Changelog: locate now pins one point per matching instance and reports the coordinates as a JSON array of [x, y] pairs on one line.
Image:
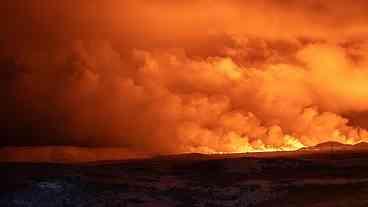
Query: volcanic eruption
[[160, 77]]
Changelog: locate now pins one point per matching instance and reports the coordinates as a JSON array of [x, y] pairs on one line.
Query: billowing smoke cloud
[[193, 76]]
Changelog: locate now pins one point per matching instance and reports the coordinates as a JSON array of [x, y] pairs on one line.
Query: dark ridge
[[331, 144], [361, 146], [336, 146]]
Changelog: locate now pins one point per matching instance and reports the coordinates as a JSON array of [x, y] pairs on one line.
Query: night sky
[[194, 76]]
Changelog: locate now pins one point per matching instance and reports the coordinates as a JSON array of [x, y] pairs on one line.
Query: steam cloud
[[193, 76]]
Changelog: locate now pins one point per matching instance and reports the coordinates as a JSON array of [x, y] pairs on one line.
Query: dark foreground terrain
[[270, 179]]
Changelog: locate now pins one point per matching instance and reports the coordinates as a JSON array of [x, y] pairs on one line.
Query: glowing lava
[[161, 77]]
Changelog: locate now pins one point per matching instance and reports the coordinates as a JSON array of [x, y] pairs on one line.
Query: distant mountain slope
[[336, 146]]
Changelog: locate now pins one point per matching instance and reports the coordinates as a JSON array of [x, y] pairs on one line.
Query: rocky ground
[[284, 179]]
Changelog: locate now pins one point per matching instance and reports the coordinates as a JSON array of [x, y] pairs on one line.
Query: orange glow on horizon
[[203, 76]]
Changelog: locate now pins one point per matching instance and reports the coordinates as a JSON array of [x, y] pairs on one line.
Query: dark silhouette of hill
[[361, 146], [337, 146]]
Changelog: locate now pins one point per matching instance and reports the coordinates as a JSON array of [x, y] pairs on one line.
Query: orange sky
[[191, 76]]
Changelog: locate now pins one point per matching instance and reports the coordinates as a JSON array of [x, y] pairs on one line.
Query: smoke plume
[[192, 76]]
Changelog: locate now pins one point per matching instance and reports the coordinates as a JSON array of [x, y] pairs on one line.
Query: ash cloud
[[160, 77]]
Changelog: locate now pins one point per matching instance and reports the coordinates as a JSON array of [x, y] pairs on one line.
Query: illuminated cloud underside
[[163, 77]]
